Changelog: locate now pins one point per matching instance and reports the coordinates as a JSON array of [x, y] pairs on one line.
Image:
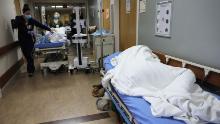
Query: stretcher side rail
[[120, 106]]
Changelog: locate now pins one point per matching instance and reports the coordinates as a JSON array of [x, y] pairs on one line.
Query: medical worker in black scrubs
[[25, 24]]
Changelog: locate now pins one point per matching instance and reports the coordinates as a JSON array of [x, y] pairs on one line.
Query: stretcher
[[54, 53], [135, 110]]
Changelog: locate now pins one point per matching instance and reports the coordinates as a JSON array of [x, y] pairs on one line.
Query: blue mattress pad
[[44, 42], [49, 45]]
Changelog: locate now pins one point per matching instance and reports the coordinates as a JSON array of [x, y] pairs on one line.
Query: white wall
[[7, 12], [195, 32]]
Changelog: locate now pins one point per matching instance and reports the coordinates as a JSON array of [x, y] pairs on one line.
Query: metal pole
[[101, 28]]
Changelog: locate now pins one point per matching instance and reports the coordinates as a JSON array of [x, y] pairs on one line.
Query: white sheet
[[59, 35], [170, 90]]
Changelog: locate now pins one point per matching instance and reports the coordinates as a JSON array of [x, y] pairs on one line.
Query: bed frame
[[208, 78], [52, 65], [120, 106]]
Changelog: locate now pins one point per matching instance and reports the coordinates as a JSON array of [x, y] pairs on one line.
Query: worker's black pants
[[28, 51]]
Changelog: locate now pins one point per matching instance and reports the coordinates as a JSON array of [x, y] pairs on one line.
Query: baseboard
[[10, 73], [12, 79]]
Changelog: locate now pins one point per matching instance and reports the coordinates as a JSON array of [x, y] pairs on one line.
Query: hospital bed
[[135, 110], [54, 53]]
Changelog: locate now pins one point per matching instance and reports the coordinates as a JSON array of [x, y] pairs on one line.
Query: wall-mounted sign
[[128, 6], [107, 14], [142, 6], [163, 18], [112, 2]]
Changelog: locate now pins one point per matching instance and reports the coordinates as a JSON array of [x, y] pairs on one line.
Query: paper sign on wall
[[99, 8], [142, 6], [163, 18], [107, 14], [128, 6], [112, 2]]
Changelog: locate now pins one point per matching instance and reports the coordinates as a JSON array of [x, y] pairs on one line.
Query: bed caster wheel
[[66, 69], [75, 70], [71, 71], [44, 72], [92, 70], [87, 70]]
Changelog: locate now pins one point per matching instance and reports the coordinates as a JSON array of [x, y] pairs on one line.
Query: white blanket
[[170, 90], [59, 35]]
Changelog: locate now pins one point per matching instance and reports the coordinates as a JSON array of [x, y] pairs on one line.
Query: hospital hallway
[[52, 98], [62, 38], [109, 61]]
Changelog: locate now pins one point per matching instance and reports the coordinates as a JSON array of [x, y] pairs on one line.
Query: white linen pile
[[171, 91], [59, 35]]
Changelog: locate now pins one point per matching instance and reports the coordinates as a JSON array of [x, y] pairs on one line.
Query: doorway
[[127, 23]]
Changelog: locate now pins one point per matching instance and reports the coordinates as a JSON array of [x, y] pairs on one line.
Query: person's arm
[[38, 24]]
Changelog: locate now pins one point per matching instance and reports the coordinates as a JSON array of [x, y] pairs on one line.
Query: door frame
[[116, 25], [137, 22]]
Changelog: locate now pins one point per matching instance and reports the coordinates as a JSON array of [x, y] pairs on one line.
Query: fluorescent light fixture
[[57, 6], [70, 6]]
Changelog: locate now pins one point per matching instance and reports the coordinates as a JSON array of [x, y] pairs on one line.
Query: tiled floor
[[55, 97]]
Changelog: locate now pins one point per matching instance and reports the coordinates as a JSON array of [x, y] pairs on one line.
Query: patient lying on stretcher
[[58, 35], [171, 91]]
